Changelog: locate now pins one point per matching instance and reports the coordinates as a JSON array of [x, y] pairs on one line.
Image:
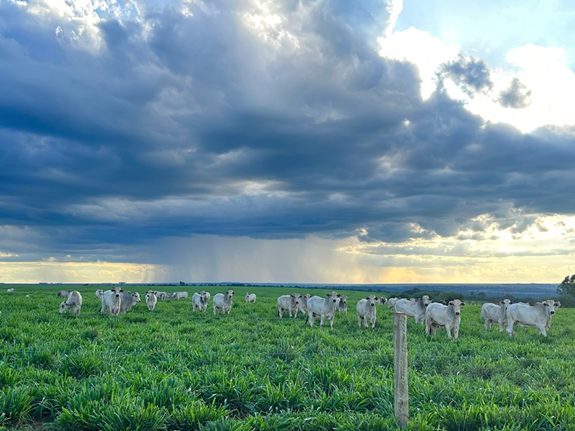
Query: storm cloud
[[249, 119]]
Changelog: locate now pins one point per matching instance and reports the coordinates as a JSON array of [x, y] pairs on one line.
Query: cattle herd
[[433, 315]]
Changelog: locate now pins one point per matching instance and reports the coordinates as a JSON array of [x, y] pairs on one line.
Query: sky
[[319, 141]]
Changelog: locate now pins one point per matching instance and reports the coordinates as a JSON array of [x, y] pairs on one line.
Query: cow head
[[456, 305], [62, 307], [425, 300], [505, 302], [372, 300], [550, 306]]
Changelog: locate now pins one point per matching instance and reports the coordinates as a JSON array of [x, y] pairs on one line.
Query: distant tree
[[567, 286], [566, 290]]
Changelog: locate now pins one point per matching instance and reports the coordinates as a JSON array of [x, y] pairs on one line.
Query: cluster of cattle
[[506, 313], [445, 314]]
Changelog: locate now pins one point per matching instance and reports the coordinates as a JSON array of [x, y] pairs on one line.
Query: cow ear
[[546, 304], [450, 303], [328, 294], [338, 295], [462, 304], [293, 296]]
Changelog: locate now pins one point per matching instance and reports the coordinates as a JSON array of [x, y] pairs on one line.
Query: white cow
[[11, 290], [494, 313], [537, 315], [162, 296], [181, 295], [99, 294], [129, 300], [63, 293], [73, 303], [151, 300], [302, 306], [325, 308], [223, 302], [342, 307], [289, 303], [391, 302], [200, 301], [449, 316], [367, 310], [414, 307], [111, 301], [250, 298]]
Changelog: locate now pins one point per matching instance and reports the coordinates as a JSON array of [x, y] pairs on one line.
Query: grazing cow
[[250, 298], [11, 290], [162, 296], [289, 303], [413, 307], [223, 302], [302, 306], [151, 300], [181, 295], [111, 301], [449, 315], [537, 315], [200, 301], [494, 313], [63, 293], [73, 303], [129, 300], [367, 310], [325, 308]]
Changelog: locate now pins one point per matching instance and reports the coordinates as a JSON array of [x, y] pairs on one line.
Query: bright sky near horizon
[[335, 141]]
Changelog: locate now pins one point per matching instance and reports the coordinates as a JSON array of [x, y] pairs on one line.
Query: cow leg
[[542, 330], [372, 323], [310, 318], [359, 320], [448, 330], [321, 317], [500, 323], [510, 323]]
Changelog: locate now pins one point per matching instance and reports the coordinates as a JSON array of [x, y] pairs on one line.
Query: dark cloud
[[471, 74], [178, 125], [516, 96]]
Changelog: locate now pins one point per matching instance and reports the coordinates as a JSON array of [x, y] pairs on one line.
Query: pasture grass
[[172, 369]]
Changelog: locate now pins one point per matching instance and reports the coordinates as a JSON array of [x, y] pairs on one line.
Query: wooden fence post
[[400, 392]]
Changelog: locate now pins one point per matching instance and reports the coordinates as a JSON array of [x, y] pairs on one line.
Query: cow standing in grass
[[342, 307], [289, 303], [223, 302], [250, 298], [495, 313], [449, 316], [151, 300], [302, 306], [325, 308], [413, 307], [367, 310], [129, 300], [537, 315], [111, 301], [73, 303], [200, 301]]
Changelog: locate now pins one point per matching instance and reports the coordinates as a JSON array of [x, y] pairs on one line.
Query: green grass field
[[174, 370]]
